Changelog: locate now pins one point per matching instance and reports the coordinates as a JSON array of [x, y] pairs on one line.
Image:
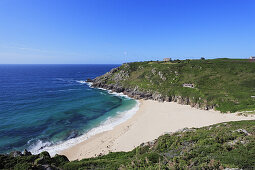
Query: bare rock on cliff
[[122, 75], [157, 96], [162, 77], [153, 71]]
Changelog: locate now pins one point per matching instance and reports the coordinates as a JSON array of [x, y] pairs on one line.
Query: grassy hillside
[[218, 146], [225, 84]]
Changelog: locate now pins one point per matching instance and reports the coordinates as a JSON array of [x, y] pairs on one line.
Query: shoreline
[[106, 125], [152, 120]]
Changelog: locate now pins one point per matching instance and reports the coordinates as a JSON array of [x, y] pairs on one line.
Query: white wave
[[109, 91], [37, 147], [89, 84], [81, 81], [106, 125], [103, 89], [115, 93], [119, 94]]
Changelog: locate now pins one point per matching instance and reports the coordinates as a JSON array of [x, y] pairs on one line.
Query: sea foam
[[109, 91], [105, 125], [81, 81]]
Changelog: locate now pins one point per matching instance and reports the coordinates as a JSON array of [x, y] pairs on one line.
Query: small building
[[188, 85], [166, 59], [252, 57]]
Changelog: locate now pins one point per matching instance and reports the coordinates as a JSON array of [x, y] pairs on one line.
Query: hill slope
[[221, 84], [218, 146]]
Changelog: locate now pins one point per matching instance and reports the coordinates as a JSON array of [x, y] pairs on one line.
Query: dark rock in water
[[15, 154], [89, 80], [73, 134], [27, 153]]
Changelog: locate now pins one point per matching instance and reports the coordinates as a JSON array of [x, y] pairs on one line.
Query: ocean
[[51, 107]]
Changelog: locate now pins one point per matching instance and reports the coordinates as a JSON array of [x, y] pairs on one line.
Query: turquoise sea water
[[42, 106]]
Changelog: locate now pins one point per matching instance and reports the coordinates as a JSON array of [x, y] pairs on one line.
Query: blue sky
[[117, 31]]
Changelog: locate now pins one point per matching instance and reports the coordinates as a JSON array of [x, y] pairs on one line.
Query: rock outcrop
[[118, 75]]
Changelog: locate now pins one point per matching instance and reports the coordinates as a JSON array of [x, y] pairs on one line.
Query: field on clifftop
[[227, 85]]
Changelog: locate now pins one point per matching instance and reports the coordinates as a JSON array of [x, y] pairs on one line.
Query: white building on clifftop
[[188, 85], [166, 59]]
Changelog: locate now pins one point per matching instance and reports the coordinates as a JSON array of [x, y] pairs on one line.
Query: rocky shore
[[137, 93]]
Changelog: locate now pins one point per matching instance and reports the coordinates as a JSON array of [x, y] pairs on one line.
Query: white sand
[[151, 120]]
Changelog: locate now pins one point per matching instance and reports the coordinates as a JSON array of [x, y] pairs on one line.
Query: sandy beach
[[151, 120]]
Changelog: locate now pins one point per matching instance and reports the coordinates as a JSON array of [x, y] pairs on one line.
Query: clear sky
[[117, 31]]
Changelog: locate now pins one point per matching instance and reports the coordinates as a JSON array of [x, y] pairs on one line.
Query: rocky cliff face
[[112, 81]]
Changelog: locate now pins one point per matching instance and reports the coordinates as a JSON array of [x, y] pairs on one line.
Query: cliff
[[226, 85]]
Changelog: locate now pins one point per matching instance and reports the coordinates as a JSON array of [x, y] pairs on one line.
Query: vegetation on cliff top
[[226, 84], [218, 146]]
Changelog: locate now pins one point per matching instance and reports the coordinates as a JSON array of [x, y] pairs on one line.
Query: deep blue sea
[[49, 107]]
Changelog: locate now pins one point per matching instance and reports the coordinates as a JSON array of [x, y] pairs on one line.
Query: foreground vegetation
[[228, 85], [225, 145]]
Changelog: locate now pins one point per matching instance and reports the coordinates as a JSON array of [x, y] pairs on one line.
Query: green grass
[[228, 84], [207, 148], [214, 147]]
